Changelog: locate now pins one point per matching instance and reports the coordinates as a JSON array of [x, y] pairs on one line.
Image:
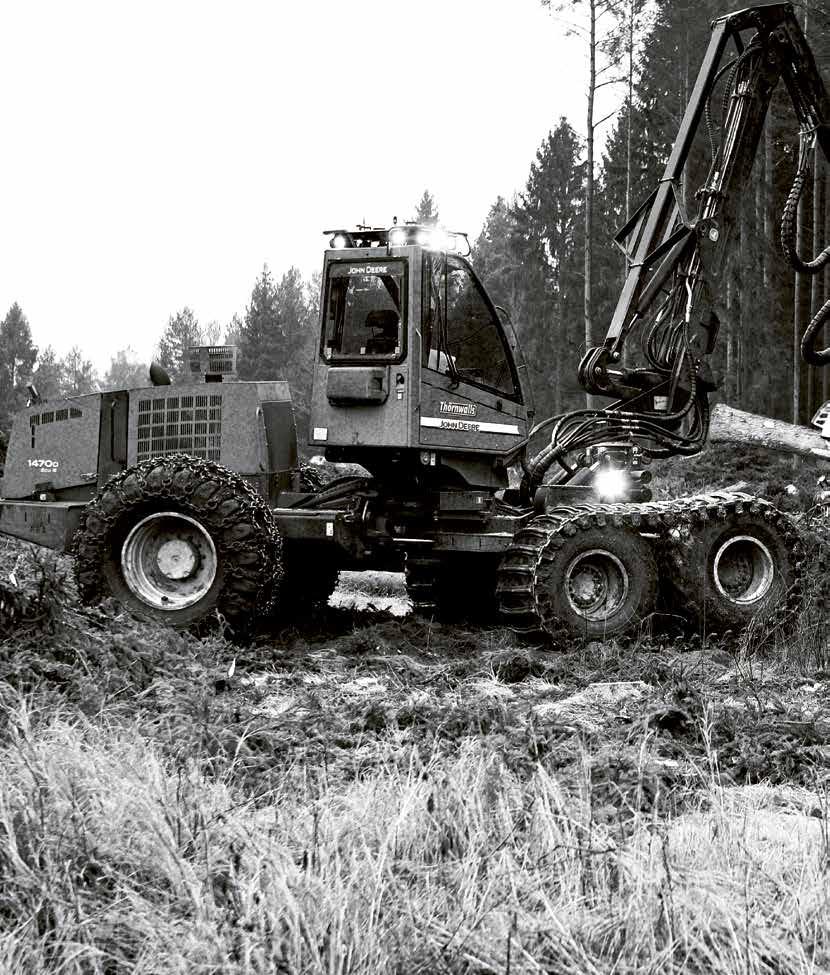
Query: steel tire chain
[[310, 477], [517, 573], [259, 564]]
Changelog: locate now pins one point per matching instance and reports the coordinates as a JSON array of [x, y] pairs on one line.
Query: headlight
[[397, 237], [611, 483], [339, 241]]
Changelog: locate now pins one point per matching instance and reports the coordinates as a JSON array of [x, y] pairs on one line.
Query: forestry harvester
[[184, 500]]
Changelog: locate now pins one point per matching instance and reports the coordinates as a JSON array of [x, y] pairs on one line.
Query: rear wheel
[[177, 539], [725, 572]]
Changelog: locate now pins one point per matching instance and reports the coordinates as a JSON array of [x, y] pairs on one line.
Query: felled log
[[748, 429]]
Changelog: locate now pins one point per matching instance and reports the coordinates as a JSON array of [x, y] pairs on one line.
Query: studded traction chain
[[221, 499], [517, 573]]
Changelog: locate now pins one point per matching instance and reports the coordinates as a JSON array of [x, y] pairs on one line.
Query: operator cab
[[415, 363]]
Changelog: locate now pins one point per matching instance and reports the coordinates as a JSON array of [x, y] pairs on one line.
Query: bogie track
[[581, 569]]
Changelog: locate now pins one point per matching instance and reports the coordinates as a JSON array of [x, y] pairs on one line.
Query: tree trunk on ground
[[748, 429]]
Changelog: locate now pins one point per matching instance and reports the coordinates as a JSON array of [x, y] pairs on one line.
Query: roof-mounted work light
[[341, 240], [402, 235]]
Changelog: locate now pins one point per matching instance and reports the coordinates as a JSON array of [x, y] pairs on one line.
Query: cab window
[[364, 310], [462, 336]]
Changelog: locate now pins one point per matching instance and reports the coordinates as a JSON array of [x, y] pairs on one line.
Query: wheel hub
[[587, 586], [177, 559], [169, 560], [596, 584], [743, 569]]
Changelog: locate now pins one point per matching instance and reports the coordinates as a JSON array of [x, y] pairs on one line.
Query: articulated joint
[[593, 371]]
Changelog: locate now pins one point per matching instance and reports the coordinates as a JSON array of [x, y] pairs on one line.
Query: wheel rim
[[743, 570], [596, 584], [169, 561]]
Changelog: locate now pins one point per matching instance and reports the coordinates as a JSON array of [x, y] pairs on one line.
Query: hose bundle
[[789, 244]]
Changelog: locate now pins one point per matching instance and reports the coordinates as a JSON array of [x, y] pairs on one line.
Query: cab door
[[470, 393]]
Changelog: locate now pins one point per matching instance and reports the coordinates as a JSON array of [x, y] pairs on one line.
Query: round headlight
[[397, 237], [610, 483]]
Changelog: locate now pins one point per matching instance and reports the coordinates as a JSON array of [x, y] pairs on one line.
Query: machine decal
[[369, 269], [45, 465], [466, 427], [458, 409]]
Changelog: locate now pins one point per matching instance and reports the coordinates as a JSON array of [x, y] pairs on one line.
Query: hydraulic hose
[[789, 244], [582, 428], [789, 226], [809, 353]]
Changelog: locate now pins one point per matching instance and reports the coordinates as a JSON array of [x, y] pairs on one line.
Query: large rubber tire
[[177, 539], [595, 583], [723, 573]]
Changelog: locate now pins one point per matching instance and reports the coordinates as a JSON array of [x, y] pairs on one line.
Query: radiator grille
[[173, 424]]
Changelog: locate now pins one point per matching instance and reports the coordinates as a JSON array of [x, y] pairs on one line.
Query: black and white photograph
[[415, 487]]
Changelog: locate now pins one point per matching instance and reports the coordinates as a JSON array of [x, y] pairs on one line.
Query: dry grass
[[117, 859]]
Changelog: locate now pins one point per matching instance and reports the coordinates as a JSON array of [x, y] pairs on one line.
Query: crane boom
[[671, 295]]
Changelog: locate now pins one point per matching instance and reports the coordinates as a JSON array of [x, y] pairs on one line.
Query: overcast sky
[[157, 154]]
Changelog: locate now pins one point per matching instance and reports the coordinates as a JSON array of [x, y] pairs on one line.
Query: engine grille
[[186, 424]]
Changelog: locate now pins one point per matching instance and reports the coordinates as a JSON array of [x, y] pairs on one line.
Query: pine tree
[[550, 217], [126, 371], [48, 374], [181, 333], [512, 267], [263, 345], [78, 375], [233, 331], [426, 212], [278, 336], [17, 359]]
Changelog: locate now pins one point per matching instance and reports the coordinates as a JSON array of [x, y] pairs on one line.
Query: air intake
[[213, 363], [173, 423]]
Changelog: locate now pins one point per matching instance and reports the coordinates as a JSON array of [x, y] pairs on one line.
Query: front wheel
[[584, 578], [177, 539]]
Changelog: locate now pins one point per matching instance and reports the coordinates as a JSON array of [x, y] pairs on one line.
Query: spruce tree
[[17, 359], [181, 333]]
